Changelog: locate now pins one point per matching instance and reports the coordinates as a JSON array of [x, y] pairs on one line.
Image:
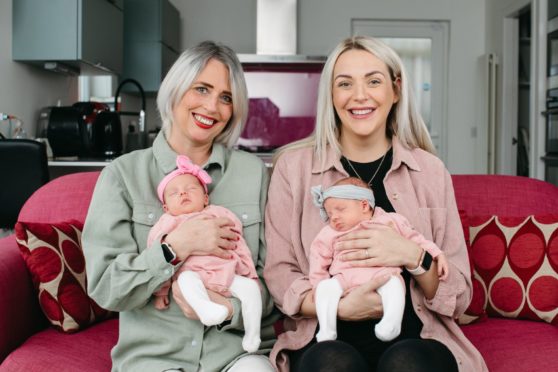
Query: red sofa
[[28, 344]]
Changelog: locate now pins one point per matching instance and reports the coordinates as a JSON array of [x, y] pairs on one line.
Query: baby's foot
[[251, 344], [213, 314], [386, 331], [325, 335]]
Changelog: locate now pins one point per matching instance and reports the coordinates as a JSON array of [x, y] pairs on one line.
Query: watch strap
[[168, 252], [423, 266]]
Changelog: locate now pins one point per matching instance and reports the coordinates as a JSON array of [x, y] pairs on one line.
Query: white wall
[[323, 23], [25, 89]]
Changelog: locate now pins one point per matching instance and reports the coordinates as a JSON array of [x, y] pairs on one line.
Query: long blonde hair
[[404, 120]]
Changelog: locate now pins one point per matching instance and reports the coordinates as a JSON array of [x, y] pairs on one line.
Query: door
[[423, 47], [522, 87]]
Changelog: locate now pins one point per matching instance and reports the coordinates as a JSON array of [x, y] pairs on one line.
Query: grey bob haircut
[[184, 72]]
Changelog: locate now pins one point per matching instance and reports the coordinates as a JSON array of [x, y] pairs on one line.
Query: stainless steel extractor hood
[[276, 38]]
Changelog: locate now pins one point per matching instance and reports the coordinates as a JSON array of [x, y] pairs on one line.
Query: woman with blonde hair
[[368, 126], [203, 105]]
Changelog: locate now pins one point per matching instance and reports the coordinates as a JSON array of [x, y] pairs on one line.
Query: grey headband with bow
[[343, 192]]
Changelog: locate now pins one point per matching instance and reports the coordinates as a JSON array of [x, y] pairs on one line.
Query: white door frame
[[438, 32], [539, 21], [507, 123], [506, 159]]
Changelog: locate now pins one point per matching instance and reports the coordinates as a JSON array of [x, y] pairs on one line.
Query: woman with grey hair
[[368, 126], [203, 106]]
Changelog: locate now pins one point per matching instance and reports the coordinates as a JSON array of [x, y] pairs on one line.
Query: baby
[[349, 205], [183, 193]]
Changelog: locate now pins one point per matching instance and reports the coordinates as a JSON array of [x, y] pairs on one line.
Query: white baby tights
[[210, 313]]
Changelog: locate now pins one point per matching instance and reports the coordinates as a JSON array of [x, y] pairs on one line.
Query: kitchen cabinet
[[79, 36], [151, 41], [552, 9]]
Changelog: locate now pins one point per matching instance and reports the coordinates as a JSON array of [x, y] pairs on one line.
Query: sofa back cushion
[[477, 307], [499, 195], [489, 200], [516, 260], [53, 255], [57, 203], [62, 199]]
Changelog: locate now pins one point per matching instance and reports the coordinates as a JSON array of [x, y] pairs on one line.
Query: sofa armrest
[[20, 314]]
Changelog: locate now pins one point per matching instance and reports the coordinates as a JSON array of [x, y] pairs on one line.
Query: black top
[[366, 170], [361, 334]]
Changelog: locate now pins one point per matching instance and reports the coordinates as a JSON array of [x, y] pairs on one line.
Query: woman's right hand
[[202, 236], [362, 302]]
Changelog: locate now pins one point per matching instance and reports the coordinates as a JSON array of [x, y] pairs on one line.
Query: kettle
[[106, 135]]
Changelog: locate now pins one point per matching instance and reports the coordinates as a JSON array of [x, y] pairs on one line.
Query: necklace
[[375, 173]]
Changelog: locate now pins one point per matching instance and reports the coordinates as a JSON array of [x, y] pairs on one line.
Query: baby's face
[[346, 213], [184, 194]]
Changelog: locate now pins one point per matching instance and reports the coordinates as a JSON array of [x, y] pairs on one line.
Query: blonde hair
[[183, 73], [404, 120]]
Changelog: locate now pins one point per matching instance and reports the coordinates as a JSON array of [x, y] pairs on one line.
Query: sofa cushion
[[50, 350], [516, 262], [53, 255], [515, 345], [476, 309], [62, 199]]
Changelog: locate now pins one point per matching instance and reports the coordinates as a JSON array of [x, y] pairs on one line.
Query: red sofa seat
[[515, 345], [27, 344], [50, 350]]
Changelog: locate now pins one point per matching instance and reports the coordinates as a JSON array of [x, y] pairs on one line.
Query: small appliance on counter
[[42, 124], [135, 139], [106, 137], [67, 132], [85, 129], [90, 129]]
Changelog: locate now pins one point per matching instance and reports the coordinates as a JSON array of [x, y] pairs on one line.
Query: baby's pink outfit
[[216, 273], [325, 261]]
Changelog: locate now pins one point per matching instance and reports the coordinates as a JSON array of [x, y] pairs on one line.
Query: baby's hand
[[443, 267], [161, 302]]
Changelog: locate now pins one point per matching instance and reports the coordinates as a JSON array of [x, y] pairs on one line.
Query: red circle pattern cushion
[[476, 309], [53, 255], [515, 264]]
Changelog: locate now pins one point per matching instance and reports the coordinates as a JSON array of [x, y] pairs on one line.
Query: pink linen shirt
[[419, 187], [216, 273], [325, 261]]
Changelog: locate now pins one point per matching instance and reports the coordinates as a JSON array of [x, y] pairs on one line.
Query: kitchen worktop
[[78, 162], [61, 166]]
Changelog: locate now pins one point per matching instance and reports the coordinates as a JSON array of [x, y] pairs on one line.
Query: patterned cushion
[[53, 255], [476, 309], [516, 263]]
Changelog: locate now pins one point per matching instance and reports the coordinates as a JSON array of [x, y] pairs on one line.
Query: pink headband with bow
[[185, 166]]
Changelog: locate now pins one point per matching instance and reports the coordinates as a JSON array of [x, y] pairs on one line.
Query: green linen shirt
[[123, 273]]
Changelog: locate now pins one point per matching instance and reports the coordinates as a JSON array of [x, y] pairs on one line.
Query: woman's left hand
[[378, 245], [187, 309]]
